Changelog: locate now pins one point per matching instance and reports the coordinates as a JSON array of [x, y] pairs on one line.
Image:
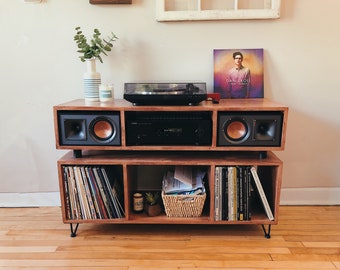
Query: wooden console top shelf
[[254, 104], [248, 106]]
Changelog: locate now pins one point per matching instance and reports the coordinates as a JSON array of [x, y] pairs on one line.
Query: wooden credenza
[[239, 133]]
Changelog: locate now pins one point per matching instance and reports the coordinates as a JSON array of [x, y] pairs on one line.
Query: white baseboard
[[310, 196], [289, 196], [30, 199]]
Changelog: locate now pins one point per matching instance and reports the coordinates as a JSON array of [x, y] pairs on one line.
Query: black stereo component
[[168, 128], [262, 129], [89, 128], [165, 93]]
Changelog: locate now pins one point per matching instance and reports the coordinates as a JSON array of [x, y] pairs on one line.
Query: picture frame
[[110, 1], [233, 82], [190, 10]]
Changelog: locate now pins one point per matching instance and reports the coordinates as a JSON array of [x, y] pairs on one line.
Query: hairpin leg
[[266, 232], [74, 230]]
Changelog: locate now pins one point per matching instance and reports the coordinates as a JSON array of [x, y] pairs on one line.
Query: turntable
[[165, 93]]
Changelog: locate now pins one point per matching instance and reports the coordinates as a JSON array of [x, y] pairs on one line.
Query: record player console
[[165, 93]]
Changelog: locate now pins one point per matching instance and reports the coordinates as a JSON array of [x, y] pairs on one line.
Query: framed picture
[[110, 1], [238, 73], [187, 10]]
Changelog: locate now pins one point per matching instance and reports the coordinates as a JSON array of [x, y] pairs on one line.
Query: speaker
[[89, 128], [263, 129]]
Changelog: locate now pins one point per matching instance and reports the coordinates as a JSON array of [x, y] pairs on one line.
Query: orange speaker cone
[[236, 130], [103, 129]]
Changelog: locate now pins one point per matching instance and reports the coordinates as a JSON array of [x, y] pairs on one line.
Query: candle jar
[[105, 92], [138, 203]]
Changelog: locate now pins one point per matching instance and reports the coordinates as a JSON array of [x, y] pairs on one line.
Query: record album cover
[[238, 73]]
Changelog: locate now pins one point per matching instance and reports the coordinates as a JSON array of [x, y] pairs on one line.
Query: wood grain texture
[[307, 237]]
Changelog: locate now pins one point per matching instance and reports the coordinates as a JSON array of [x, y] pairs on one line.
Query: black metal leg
[[263, 154], [77, 153], [266, 232], [74, 230]]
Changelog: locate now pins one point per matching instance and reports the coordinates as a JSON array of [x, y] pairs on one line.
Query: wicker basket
[[183, 205]]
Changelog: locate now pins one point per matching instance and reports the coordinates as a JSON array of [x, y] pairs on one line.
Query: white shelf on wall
[[189, 10]]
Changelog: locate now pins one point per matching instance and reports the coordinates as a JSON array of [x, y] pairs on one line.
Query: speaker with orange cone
[[89, 128], [260, 129]]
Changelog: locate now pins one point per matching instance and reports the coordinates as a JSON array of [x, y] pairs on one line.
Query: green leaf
[[107, 48], [95, 47]]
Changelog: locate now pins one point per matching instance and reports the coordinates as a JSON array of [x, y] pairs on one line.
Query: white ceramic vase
[[92, 80]]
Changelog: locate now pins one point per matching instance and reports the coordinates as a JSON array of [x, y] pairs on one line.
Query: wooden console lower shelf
[[138, 171]]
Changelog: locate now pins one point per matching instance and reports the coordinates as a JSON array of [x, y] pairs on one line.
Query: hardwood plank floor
[[307, 237]]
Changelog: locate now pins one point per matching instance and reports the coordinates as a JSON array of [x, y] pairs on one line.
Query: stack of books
[[234, 192]]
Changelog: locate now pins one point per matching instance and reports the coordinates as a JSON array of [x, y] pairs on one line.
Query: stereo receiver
[[168, 128]]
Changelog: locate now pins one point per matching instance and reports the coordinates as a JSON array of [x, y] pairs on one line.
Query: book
[[232, 193], [240, 193], [218, 193], [261, 193], [224, 193], [247, 193]]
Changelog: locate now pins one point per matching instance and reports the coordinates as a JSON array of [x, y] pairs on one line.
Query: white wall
[[39, 68]]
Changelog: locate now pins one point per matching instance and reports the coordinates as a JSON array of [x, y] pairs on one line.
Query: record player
[[165, 93]]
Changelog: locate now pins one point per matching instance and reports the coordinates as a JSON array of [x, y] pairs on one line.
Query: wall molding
[[289, 196], [310, 196], [40, 199]]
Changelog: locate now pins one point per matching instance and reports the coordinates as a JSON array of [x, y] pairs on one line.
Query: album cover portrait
[[238, 73]]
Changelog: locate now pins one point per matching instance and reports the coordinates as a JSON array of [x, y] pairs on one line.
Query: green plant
[[95, 47], [152, 198]]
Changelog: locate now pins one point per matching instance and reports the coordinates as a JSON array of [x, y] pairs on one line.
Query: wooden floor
[[35, 238]]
